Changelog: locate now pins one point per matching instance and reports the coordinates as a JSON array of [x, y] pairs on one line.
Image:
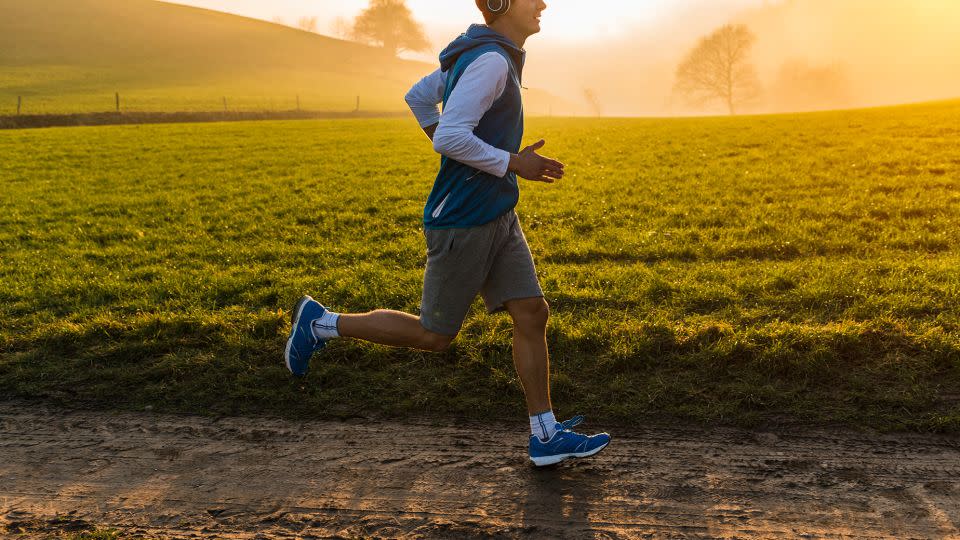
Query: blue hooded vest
[[463, 196]]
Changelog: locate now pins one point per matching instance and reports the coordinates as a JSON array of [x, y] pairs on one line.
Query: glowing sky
[[564, 20]]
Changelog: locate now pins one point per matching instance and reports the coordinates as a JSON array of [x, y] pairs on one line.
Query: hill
[[66, 56]]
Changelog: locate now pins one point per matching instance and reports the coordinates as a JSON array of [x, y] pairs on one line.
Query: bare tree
[[307, 24], [719, 69], [391, 24], [279, 20], [590, 95]]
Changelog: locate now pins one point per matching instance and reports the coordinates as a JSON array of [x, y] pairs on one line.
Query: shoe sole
[[297, 312], [553, 460]]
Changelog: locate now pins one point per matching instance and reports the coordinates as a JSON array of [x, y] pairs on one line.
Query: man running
[[474, 241]]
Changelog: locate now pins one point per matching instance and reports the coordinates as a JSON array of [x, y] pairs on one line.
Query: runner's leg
[[530, 355], [392, 328], [512, 285]]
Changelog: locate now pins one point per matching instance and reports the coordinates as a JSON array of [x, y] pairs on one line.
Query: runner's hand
[[532, 166]]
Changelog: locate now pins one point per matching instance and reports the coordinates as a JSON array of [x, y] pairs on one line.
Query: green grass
[[61, 527], [109, 534], [725, 269]]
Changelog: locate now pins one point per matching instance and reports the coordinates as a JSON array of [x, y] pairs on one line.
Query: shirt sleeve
[[424, 97], [482, 83]]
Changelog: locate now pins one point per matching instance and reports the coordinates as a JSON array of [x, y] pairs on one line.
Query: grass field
[[723, 269]]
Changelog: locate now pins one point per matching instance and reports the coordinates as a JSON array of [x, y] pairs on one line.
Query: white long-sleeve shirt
[[482, 83]]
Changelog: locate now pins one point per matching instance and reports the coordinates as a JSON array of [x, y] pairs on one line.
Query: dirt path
[[178, 477]]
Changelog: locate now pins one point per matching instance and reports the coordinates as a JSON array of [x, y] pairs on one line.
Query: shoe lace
[[573, 422]]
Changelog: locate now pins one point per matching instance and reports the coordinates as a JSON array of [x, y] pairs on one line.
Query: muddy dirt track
[[187, 477]]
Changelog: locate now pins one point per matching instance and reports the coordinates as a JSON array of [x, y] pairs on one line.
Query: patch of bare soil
[[188, 477]]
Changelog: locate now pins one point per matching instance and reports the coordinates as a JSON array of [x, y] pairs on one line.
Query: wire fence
[[173, 110], [117, 103]]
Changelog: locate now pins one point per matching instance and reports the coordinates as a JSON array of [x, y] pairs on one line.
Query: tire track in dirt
[[177, 477]]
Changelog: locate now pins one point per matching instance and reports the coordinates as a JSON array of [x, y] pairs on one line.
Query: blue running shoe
[[301, 345], [566, 444]]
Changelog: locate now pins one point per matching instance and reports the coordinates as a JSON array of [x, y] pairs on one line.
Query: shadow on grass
[[879, 373], [753, 252]]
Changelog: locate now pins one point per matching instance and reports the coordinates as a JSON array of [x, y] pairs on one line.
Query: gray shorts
[[493, 260]]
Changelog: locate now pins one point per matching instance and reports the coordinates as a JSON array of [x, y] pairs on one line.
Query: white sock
[[326, 327], [543, 425]]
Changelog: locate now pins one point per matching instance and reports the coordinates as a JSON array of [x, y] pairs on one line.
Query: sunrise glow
[[563, 21]]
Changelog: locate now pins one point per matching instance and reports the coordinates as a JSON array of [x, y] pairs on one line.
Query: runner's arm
[[482, 83], [423, 99]]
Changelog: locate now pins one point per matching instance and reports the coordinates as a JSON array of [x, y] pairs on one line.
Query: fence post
[[298, 103], [19, 102], [224, 103], [358, 105], [118, 102]]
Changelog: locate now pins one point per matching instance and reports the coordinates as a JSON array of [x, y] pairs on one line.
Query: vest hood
[[476, 36]]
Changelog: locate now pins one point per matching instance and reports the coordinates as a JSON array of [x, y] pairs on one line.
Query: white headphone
[[503, 6]]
